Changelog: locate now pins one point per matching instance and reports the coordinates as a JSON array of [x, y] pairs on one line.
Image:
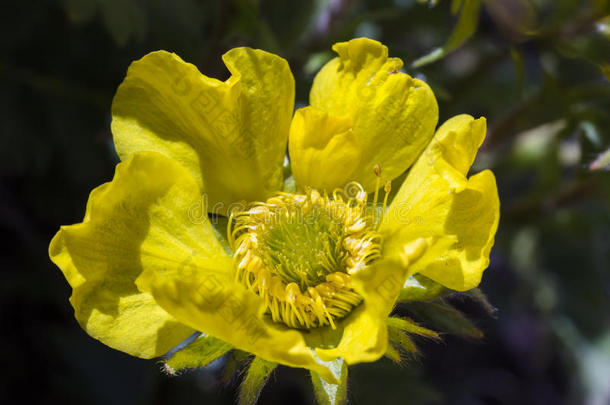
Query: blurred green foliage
[[537, 69]]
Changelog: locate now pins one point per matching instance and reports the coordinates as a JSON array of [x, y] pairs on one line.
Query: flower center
[[298, 253]]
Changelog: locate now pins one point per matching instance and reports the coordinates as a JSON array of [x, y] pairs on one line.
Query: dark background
[[533, 68]]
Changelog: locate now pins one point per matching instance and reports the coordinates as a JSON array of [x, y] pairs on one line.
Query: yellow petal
[[364, 336], [457, 215], [141, 220], [210, 300], [230, 135], [393, 114], [324, 151]]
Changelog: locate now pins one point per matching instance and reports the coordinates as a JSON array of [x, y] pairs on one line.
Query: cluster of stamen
[[299, 251]]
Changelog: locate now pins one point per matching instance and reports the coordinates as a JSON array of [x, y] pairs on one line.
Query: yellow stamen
[[297, 253], [377, 171], [386, 189]]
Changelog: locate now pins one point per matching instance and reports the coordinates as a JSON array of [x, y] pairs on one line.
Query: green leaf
[[331, 394], [445, 318], [256, 377], [465, 27], [421, 288], [199, 353]]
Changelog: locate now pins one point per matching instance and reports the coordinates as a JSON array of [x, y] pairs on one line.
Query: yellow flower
[[300, 278]]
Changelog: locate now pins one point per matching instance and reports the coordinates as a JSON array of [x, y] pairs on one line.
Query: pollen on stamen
[[298, 252]]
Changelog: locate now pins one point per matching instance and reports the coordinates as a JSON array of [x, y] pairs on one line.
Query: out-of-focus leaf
[[602, 6], [605, 70], [430, 3], [602, 162], [532, 145], [199, 353], [517, 59], [570, 152], [256, 377], [288, 21], [80, 11], [515, 19], [591, 133], [455, 6], [603, 27], [123, 19], [592, 43], [331, 394], [444, 318], [466, 26], [557, 14], [316, 61]]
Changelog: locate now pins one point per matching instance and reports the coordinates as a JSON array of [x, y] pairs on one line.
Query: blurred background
[[537, 69]]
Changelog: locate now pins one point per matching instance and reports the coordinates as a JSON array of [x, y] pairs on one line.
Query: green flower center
[[298, 253]]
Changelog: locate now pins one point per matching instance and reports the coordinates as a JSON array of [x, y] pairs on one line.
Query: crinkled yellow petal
[[230, 135], [365, 337], [393, 114], [143, 219], [210, 300], [324, 151], [457, 215]]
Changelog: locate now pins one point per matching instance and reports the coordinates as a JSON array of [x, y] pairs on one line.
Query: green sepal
[[421, 288], [393, 353], [480, 298], [234, 363], [331, 394], [257, 375], [400, 339], [444, 317], [199, 353], [410, 327], [219, 225], [398, 335]]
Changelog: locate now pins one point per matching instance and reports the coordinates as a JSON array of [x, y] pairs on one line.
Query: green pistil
[[303, 247]]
